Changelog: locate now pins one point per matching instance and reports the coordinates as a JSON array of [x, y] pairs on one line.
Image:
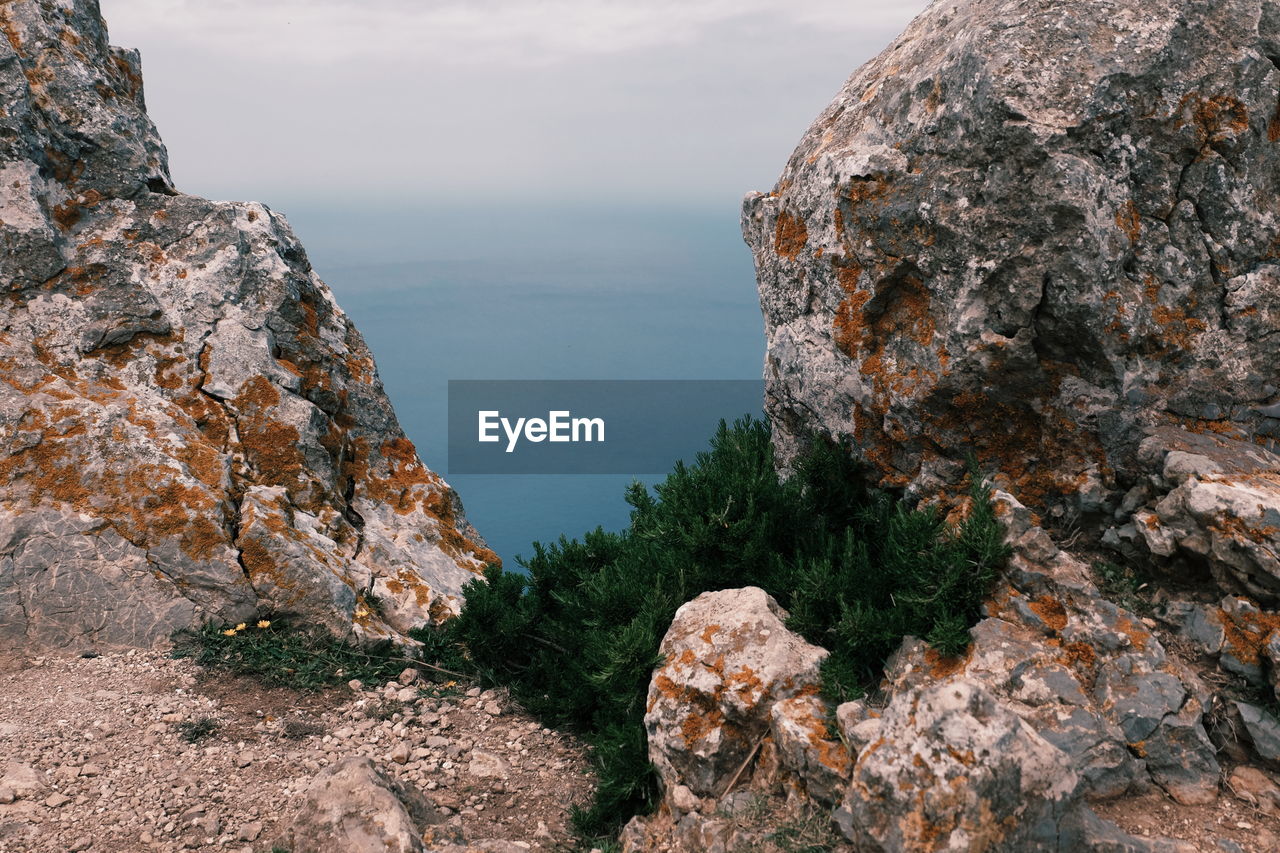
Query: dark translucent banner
[[630, 426]]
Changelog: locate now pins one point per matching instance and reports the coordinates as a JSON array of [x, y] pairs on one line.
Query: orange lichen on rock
[[849, 321], [746, 683], [1247, 633], [407, 487], [941, 666], [1129, 221], [1213, 118], [1051, 611], [146, 502], [1079, 656], [699, 724], [790, 236], [1238, 528], [1137, 635]]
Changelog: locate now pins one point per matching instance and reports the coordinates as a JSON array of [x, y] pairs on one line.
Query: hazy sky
[[682, 102]]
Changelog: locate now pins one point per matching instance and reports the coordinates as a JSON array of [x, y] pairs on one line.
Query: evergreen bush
[[577, 639]]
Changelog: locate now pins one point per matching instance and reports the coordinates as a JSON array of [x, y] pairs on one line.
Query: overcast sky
[[681, 102]]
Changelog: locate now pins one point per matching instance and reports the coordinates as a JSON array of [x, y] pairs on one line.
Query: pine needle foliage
[[577, 640]]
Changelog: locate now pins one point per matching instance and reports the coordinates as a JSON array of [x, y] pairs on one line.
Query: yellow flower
[[451, 684], [361, 613], [230, 632], [264, 623], [240, 627]]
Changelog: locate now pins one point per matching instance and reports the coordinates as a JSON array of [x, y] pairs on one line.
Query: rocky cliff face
[[191, 427], [1046, 234], [1036, 236]]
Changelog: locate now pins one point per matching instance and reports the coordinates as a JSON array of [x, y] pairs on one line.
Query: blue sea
[[566, 292]]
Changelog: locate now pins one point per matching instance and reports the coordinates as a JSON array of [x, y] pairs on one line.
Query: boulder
[[190, 426], [1033, 233], [352, 807], [727, 659], [954, 769], [808, 748], [1217, 505]]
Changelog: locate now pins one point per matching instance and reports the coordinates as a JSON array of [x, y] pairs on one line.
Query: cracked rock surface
[[190, 426], [1036, 232]]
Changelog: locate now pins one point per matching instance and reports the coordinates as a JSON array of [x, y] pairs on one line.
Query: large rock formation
[[1048, 235], [190, 427], [1035, 234]]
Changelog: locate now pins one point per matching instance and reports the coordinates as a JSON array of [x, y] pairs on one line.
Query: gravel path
[[107, 754]]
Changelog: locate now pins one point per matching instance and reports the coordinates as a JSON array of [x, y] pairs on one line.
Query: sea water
[[444, 292]]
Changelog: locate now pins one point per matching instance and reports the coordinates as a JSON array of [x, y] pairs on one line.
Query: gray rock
[[1271, 653], [955, 769], [1138, 700], [1263, 729], [1220, 505], [1181, 758], [1105, 764], [352, 807], [1084, 830], [1099, 686], [727, 659], [191, 427], [1025, 241], [1203, 626], [859, 726]]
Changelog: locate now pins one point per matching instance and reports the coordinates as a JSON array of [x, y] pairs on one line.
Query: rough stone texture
[[728, 659], [1256, 788], [807, 747], [1263, 729], [1215, 503], [1034, 235], [1088, 676], [190, 427], [352, 807], [954, 770], [22, 782]]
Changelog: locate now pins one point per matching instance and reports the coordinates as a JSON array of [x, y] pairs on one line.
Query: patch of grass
[[196, 730], [577, 640], [287, 654], [1123, 585], [809, 832], [295, 729]]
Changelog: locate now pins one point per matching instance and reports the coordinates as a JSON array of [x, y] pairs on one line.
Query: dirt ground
[[139, 752]]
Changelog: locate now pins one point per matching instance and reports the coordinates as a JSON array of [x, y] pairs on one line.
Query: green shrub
[[284, 653], [577, 640]]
